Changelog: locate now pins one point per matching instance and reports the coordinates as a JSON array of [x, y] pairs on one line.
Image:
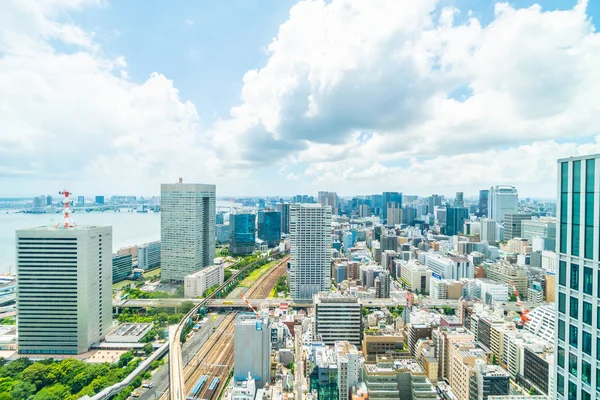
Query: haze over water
[[129, 228]]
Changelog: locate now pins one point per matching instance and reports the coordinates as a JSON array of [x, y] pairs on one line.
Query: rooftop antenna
[[250, 305], [66, 222]]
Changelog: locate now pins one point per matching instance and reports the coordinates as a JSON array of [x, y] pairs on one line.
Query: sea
[[129, 228]]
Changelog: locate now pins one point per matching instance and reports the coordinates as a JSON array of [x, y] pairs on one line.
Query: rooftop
[[61, 228]]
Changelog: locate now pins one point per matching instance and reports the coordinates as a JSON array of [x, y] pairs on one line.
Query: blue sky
[[356, 96]]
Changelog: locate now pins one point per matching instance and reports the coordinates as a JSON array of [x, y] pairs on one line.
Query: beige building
[[381, 342], [415, 276], [447, 337], [550, 288], [462, 365], [505, 272], [196, 284]]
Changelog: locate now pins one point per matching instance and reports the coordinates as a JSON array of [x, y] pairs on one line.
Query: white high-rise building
[[310, 249], [488, 230], [252, 348], [64, 286], [349, 366], [502, 199], [187, 229]]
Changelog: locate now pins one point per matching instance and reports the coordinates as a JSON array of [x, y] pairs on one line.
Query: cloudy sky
[[278, 97]]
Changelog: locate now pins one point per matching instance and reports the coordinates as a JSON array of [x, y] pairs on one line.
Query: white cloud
[[190, 21]]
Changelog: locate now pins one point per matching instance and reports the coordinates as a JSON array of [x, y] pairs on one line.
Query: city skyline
[[250, 104]]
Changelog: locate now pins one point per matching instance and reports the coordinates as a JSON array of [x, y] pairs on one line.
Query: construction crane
[[250, 305], [524, 313]]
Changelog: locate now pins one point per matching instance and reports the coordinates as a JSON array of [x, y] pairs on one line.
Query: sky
[[282, 97]]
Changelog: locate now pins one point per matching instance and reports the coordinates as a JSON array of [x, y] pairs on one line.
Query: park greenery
[[160, 317], [68, 379], [136, 293], [8, 321], [282, 286]]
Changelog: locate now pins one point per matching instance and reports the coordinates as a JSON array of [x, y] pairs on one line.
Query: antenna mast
[[66, 222]]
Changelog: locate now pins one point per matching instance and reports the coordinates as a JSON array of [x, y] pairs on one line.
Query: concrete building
[[224, 233], [329, 199], [337, 318], [64, 288], [149, 255], [402, 379], [535, 293], [322, 372], [502, 199], [284, 210], [380, 342], [488, 380], [463, 357], [390, 197], [394, 214], [122, 267], [446, 338], [310, 244], [491, 291], [488, 230], [195, 284], [415, 276], [442, 289], [505, 272], [544, 227], [252, 348], [450, 266], [382, 285], [513, 223], [187, 229], [578, 266], [389, 242], [243, 233], [349, 366]]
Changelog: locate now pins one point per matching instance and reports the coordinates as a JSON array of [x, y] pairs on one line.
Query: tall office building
[[149, 255], [459, 201], [390, 197], [577, 340], [269, 227], [488, 230], [329, 199], [376, 204], [433, 201], [48, 200], [337, 318], [512, 224], [243, 233], [393, 214], [64, 288], [284, 209], [310, 250], [252, 348], [455, 219], [502, 199], [482, 207], [187, 228]]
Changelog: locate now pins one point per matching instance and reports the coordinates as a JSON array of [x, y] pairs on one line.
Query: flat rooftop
[[61, 228]]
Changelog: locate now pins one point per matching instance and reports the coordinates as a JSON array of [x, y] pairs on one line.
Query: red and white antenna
[[66, 222], [250, 305]]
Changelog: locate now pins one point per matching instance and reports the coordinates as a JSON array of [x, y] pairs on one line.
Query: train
[[212, 389], [193, 395]]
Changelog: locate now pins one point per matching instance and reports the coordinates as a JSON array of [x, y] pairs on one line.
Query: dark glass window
[[587, 313], [563, 238], [586, 342], [561, 329], [573, 307], [586, 372], [598, 379], [572, 391], [573, 333], [585, 395], [564, 206], [573, 364], [562, 273], [590, 171], [589, 242], [560, 383], [561, 356], [562, 303], [576, 176], [564, 177], [575, 276], [588, 280]]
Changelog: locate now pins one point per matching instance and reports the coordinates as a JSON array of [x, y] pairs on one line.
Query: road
[[160, 378]]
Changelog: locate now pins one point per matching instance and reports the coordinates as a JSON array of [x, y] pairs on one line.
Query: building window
[[573, 307], [563, 237], [573, 364], [598, 379], [561, 356], [561, 329], [572, 391], [588, 280], [575, 277], [573, 335], [562, 273], [586, 342], [577, 176], [562, 303], [586, 372], [585, 395], [560, 383], [587, 313], [564, 177]]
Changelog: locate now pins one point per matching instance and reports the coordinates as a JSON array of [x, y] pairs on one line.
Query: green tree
[[6, 396], [174, 319], [37, 375], [125, 359], [22, 390], [448, 310], [531, 391], [148, 348], [16, 367], [186, 307], [494, 359], [54, 392], [6, 384], [512, 297]]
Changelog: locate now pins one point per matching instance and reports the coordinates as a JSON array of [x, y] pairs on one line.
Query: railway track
[[215, 358]]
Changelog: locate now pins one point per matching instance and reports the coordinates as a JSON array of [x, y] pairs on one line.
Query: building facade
[[122, 266], [502, 199], [577, 340], [337, 318], [64, 288], [252, 348], [149, 255], [243, 233], [269, 227], [513, 223], [194, 285], [310, 250], [187, 229], [284, 209]]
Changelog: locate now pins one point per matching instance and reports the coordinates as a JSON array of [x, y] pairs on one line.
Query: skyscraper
[[502, 199], [252, 348], [310, 245], [433, 201], [482, 208], [455, 218], [64, 286], [329, 199], [394, 214], [269, 227], [577, 341], [459, 201], [187, 228], [512, 224], [488, 230], [390, 197], [284, 209], [243, 233]]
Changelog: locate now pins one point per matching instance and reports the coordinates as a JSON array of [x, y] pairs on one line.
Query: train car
[[193, 395], [228, 303], [212, 390]]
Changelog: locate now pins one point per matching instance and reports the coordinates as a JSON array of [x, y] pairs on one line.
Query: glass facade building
[[243, 233], [577, 359], [269, 227]]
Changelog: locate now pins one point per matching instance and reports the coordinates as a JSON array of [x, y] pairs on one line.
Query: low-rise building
[[196, 284], [393, 378], [148, 255], [380, 342], [338, 317], [462, 365], [122, 267], [488, 380], [415, 276]]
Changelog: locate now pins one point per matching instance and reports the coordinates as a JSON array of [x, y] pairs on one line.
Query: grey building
[[187, 229], [382, 285], [149, 255], [284, 209], [337, 317], [512, 224], [64, 288], [577, 247], [224, 233], [252, 348], [502, 199], [488, 380], [543, 227]]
